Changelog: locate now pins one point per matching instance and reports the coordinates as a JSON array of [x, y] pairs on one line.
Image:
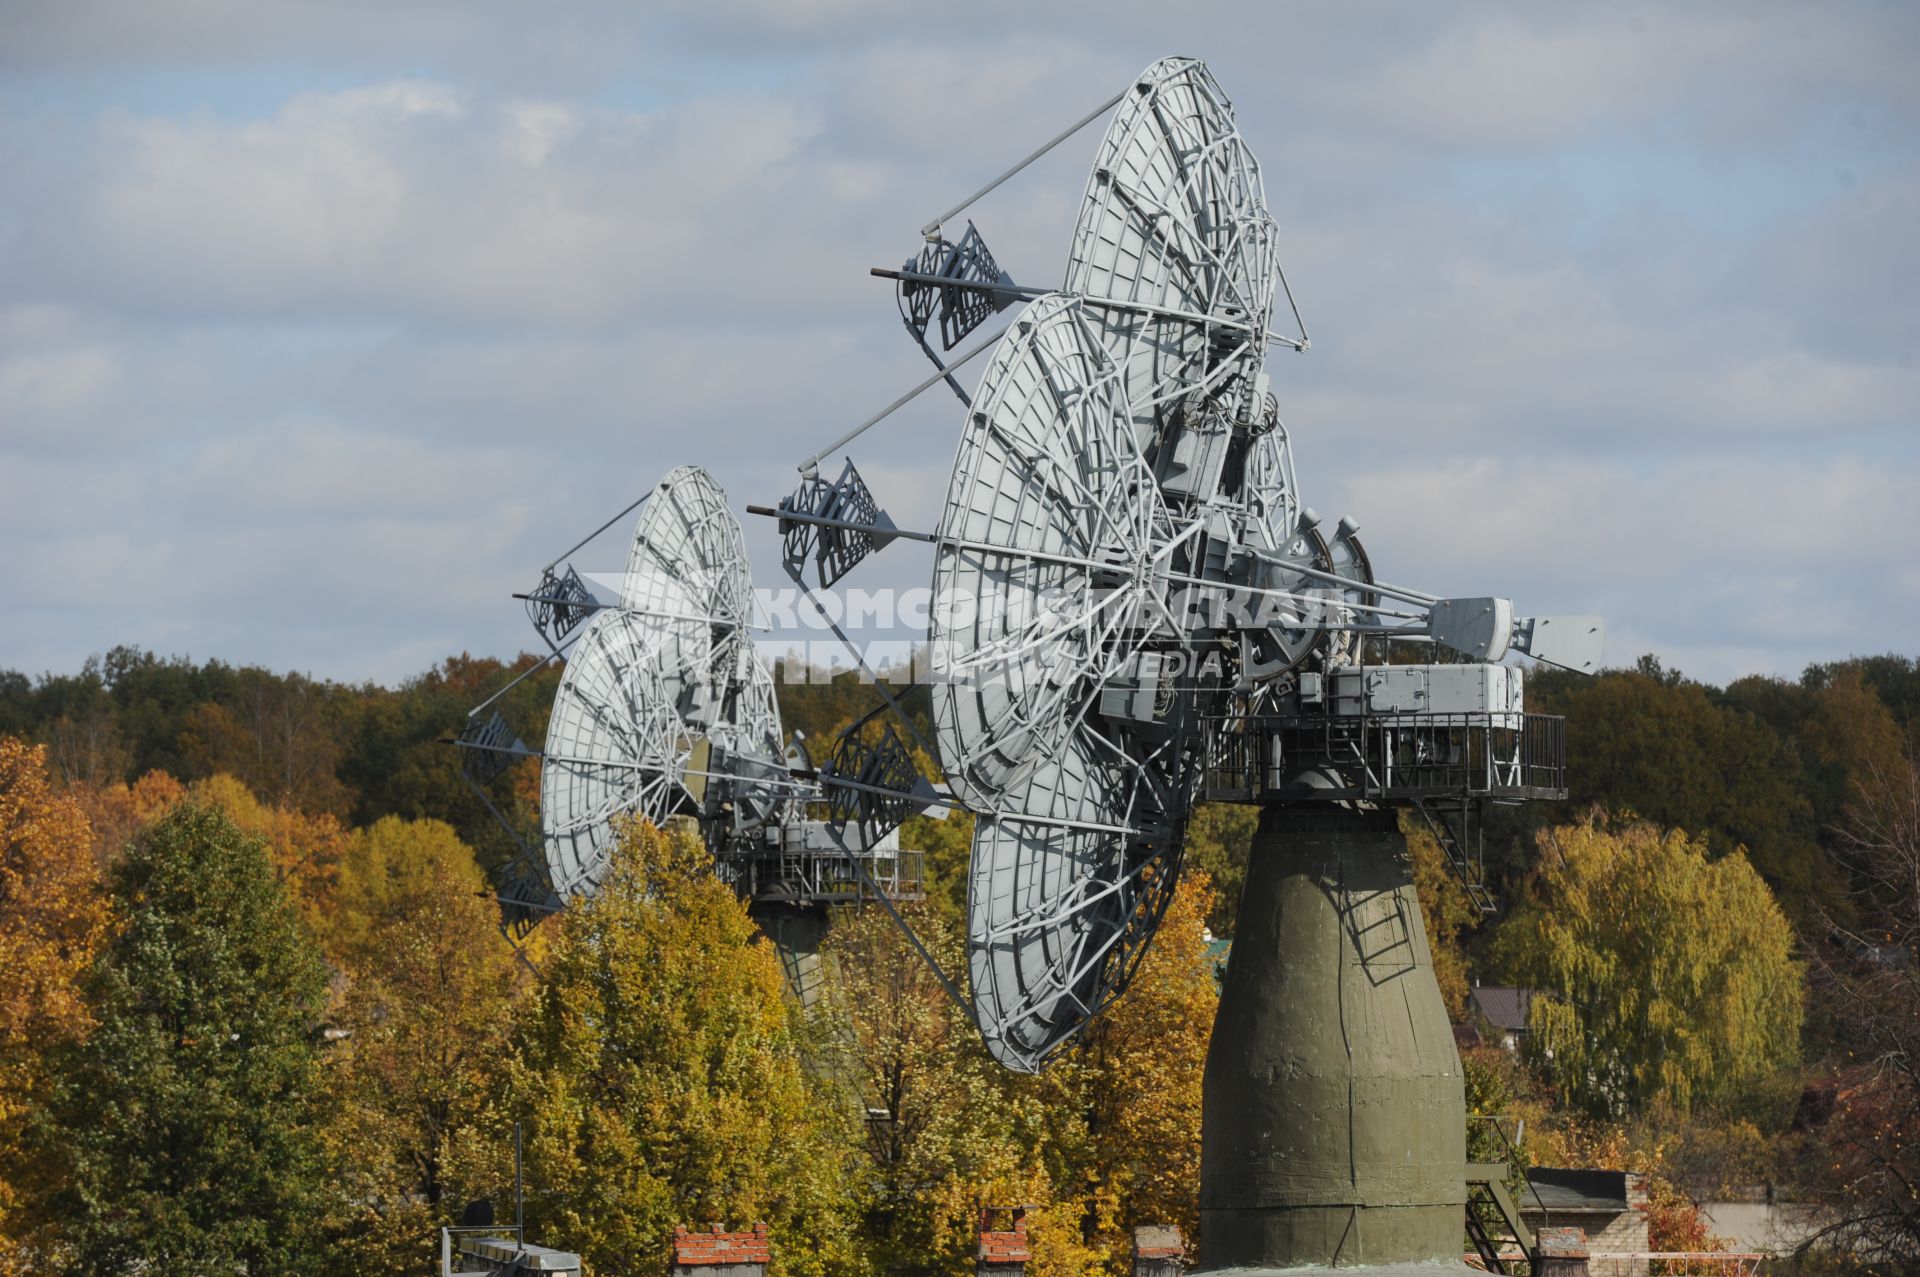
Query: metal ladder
[[1464, 867], [1487, 1187]]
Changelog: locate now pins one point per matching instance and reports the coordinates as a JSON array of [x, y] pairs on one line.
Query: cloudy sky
[[323, 325]]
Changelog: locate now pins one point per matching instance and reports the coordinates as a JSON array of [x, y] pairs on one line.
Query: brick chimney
[[1563, 1252], [1003, 1251], [1157, 1251], [716, 1253]]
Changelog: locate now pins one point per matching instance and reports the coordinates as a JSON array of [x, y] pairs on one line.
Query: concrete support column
[[796, 932], [1333, 1123]]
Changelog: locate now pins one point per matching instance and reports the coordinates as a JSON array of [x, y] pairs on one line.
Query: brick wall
[[1158, 1251], [1003, 1242], [717, 1253]]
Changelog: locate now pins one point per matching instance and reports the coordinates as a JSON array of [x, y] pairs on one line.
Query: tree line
[[263, 1020]]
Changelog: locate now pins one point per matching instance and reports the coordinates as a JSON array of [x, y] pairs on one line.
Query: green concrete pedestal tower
[[1333, 1127]]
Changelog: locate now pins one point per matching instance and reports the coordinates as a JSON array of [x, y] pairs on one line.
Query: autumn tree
[[1147, 1055], [1107, 1135], [1849, 739], [1448, 913], [429, 1001], [659, 1071], [305, 849], [938, 1135], [1667, 977], [945, 846], [1869, 1181], [52, 919], [1219, 841], [1650, 742], [191, 1113], [117, 812], [282, 736]]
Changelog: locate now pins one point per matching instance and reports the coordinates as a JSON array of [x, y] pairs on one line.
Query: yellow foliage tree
[[306, 850], [387, 869], [658, 1069], [1670, 978], [1107, 1136], [53, 917], [1146, 1056], [430, 987], [943, 1124], [1447, 911]]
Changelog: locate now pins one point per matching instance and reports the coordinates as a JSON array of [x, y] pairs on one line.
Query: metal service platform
[[1501, 755]]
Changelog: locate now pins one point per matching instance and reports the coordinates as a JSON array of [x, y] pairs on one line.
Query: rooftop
[[1505, 1008], [1564, 1189]]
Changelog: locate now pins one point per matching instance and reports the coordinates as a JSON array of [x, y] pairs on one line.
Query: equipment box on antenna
[[1428, 689]]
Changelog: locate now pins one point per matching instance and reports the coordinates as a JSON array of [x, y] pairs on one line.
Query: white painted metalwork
[[672, 664], [665, 711], [1126, 584]]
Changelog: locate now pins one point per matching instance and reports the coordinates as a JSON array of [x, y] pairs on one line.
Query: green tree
[[1219, 840], [1654, 744], [282, 735], [1894, 678], [659, 1072], [1668, 978], [429, 999], [192, 1111], [304, 849], [945, 846]]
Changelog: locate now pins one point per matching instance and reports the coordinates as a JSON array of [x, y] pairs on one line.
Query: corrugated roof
[[1504, 1008]]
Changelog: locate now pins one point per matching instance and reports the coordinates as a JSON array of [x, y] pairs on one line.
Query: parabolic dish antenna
[[1042, 602], [614, 747], [665, 710], [1050, 512], [1129, 598], [1175, 222], [1075, 513], [647, 679], [1063, 893]]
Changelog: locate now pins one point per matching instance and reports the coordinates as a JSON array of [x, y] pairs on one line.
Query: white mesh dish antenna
[[1175, 221], [1068, 536], [1049, 509], [665, 710], [1131, 605], [1050, 516], [671, 664], [1064, 889]]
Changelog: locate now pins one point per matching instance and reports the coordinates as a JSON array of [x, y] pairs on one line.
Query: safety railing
[[1494, 755], [831, 877]]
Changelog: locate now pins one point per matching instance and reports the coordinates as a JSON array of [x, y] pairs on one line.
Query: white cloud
[[404, 200], [316, 374], [1737, 554]]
